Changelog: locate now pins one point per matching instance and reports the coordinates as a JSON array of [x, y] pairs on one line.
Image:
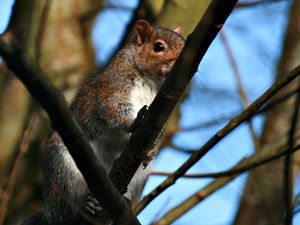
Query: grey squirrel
[[106, 107]]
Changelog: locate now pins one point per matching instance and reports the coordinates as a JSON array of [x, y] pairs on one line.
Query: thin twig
[[232, 124], [225, 118], [199, 196], [170, 144], [278, 100], [187, 175], [263, 160], [17, 166], [264, 109], [210, 123], [215, 185]]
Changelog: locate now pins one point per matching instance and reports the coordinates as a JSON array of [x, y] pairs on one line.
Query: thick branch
[[52, 101], [143, 139], [232, 124]]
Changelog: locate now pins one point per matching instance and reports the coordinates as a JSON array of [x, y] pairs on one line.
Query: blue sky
[[256, 35]]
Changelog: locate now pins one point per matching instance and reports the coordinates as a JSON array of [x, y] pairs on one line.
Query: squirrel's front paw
[[92, 206], [142, 112], [140, 117]]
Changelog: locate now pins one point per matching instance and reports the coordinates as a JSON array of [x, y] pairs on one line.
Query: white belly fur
[[141, 95], [109, 145]]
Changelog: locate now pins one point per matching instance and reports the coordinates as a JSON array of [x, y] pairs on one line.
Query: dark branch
[[143, 139], [238, 169], [63, 121]]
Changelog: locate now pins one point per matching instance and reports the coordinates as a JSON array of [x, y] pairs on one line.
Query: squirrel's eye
[[158, 47]]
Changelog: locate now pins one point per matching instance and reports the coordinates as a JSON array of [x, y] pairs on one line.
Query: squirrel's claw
[[92, 206]]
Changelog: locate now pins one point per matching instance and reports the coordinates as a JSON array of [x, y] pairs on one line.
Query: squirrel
[[106, 107]]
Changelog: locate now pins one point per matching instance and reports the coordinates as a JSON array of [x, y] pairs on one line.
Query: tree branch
[[268, 153], [63, 121], [143, 139], [268, 156], [232, 124], [270, 105]]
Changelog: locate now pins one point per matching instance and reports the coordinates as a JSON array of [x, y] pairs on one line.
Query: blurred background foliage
[[72, 39]]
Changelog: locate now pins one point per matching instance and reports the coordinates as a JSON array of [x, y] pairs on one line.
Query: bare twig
[[16, 167], [269, 156], [170, 144], [267, 152], [187, 175], [278, 100], [225, 118], [232, 124], [199, 196], [210, 123]]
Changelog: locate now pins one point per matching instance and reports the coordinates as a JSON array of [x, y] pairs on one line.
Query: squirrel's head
[[157, 48]]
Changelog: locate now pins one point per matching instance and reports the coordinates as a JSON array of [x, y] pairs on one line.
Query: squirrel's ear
[[178, 30], [143, 30]]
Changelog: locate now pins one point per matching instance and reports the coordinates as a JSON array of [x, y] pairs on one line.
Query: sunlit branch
[[225, 118], [232, 124], [268, 153]]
